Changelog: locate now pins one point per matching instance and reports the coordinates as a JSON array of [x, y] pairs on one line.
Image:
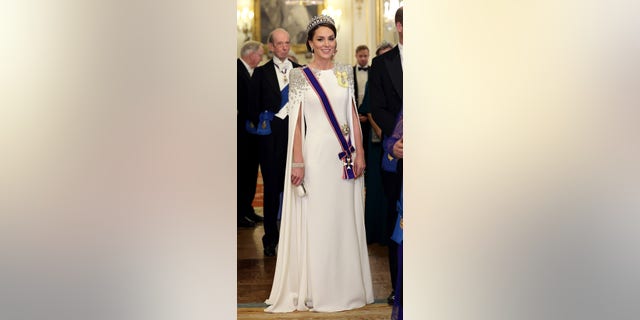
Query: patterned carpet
[[255, 273], [376, 311]]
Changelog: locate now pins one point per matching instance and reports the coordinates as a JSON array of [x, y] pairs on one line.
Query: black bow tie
[[363, 68]]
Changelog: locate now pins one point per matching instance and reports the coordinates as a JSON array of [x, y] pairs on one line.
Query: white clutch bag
[[301, 191]]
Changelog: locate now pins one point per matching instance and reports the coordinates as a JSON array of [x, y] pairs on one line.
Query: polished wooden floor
[[255, 273]]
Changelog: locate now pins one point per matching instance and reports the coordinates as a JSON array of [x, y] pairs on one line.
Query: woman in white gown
[[322, 263]]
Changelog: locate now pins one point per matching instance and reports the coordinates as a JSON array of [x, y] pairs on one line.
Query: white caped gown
[[322, 262]]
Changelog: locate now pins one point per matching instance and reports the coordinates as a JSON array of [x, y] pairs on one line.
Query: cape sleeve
[[351, 101], [296, 85], [351, 79], [292, 228]]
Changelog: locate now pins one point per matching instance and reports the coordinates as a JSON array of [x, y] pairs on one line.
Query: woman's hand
[[378, 131], [359, 165], [297, 175]]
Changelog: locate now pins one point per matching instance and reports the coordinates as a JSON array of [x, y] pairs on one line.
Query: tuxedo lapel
[[242, 91], [355, 84], [394, 68], [271, 77]]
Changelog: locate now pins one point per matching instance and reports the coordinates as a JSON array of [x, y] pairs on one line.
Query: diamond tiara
[[320, 20]]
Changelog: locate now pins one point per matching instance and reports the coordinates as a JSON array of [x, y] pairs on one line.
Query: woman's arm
[[297, 167], [374, 125], [359, 163]]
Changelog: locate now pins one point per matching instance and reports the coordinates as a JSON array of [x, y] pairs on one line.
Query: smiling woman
[[325, 152], [292, 16]]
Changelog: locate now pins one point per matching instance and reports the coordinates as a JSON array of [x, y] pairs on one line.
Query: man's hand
[[397, 149]]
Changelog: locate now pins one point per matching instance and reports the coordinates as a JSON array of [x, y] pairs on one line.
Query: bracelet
[[297, 165]]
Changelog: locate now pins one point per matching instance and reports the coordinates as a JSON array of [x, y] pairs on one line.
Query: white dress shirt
[[282, 70], [401, 55], [361, 78]]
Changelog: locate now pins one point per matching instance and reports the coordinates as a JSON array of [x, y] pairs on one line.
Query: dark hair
[[312, 32], [382, 46], [398, 17], [361, 47]]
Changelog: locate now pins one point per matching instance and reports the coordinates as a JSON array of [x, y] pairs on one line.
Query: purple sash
[[347, 148]]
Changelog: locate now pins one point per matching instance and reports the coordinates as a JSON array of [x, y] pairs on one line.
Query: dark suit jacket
[[385, 88], [265, 90], [365, 126], [244, 81]]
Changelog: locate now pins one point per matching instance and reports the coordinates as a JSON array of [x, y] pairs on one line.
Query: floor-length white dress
[[322, 261]]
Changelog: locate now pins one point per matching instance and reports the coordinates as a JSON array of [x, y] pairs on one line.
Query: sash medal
[[347, 148]]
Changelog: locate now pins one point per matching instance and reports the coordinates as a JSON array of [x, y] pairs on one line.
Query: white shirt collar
[[279, 62], [282, 70], [248, 67]]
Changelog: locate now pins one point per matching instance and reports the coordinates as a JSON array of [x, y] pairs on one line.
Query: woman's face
[[323, 43]]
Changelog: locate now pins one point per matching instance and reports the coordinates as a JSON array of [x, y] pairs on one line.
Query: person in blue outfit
[[391, 150], [385, 82]]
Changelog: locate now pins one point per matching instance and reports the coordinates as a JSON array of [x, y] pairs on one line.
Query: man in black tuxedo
[[360, 77], [267, 91], [385, 87], [247, 144]]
